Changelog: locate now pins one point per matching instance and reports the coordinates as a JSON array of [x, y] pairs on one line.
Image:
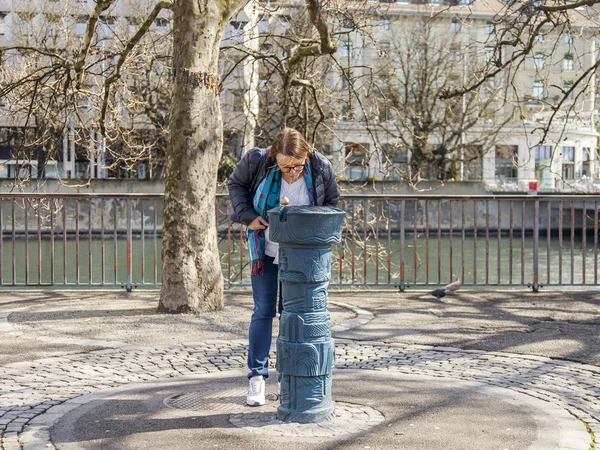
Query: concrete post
[[305, 349]]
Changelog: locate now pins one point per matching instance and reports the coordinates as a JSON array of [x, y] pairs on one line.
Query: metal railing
[[389, 241], [80, 239]]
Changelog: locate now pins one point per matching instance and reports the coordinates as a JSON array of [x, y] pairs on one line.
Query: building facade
[[532, 121], [372, 94]]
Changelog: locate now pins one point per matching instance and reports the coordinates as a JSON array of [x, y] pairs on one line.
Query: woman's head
[[289, 148]]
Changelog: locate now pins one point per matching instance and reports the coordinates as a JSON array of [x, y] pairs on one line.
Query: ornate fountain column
[[305, 348]]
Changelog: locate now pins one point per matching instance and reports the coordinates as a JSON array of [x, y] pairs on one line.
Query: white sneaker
[[256, 391]]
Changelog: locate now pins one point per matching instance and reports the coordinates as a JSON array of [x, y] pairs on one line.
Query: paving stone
[[10, 441], [39, 393]]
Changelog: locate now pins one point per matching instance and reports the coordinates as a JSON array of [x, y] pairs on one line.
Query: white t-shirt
[[298, 196]]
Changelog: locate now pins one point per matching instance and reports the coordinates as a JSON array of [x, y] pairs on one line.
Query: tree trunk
[[192, 278]]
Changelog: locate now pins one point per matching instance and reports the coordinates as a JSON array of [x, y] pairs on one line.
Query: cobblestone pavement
[[33, 395]]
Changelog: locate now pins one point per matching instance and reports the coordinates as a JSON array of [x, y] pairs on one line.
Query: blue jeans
[[264, 291]]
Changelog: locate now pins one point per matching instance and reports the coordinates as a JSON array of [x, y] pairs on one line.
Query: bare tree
[[443, 137], [295, 86], [62, 80], [555, 39], [192, 278], [97, 85]]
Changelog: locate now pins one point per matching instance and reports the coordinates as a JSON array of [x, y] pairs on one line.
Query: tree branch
[[320, 23], [125, 53], [101, 6], [567, 6]]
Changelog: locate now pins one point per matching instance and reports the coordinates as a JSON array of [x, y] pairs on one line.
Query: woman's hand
[[258, 224]]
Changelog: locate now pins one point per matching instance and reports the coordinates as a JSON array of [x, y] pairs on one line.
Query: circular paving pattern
[[35, 394], [349, 419], [230, 398], [226, 398]]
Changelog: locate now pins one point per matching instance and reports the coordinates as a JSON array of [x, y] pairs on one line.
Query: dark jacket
[[252, 169]]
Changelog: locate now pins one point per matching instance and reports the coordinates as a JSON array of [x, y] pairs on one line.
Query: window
[[356, 160], [568, 62], [489, 28], [111, 22], [543, 152], [266, 49], [347, 113], [568, 171], [473, 162], [286, 23], [538, 89], [347, 49], [51, 170], [489, 54], [237, 100], [385, 23], [394, 161], [538, 61], [567, 85], [453, 81], [419, 53], [345, 81], [568, 153], [488, 116], [507, 158], [53, 27], [384, 48], [455, 26], [22, 22], [568, 38], [20, 171], [587, 154], [237, 32], [263, 26], [455, 54], [348, 23], [106, 25], [2, 24], [384, 109], [325, 149], [81, 25], [539, 37]]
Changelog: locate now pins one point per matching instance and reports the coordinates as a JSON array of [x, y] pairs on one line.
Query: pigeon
[[439, 293], [449, 289], [453, 287]]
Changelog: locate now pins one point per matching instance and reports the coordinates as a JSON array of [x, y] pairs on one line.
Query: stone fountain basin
[[309, 225]]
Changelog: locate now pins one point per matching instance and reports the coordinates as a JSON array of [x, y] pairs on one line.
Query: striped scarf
[[267, 197]]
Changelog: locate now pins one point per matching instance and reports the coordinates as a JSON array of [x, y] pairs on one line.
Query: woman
[[289, 168]]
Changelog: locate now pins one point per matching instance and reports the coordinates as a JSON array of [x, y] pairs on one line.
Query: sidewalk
[[481, 370]]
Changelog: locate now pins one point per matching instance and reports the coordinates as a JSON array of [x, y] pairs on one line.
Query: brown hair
[[289, 142]]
